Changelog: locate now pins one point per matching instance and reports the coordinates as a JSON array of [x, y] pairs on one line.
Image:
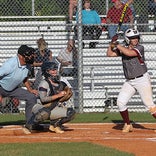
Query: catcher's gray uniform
[[51, 109]]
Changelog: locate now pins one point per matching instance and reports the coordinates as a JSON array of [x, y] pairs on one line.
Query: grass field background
[[84, 118]]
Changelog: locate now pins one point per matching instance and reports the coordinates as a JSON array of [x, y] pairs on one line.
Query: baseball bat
[[122, 17]]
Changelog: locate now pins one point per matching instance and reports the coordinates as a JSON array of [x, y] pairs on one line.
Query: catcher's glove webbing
[[67, 96]]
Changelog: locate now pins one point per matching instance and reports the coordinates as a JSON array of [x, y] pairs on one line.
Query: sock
[[125, 116], [154, 115]]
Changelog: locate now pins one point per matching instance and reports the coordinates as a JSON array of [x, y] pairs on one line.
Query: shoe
[[127, 128], [26, 129], [63, 127], [52, 128], [37, 127], [34, 127], [55, 129], [58, 130]]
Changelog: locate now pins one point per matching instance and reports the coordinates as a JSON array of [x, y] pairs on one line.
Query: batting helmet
[[131, 34]]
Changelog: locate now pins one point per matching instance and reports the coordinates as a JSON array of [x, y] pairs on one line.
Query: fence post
[[80, 68]]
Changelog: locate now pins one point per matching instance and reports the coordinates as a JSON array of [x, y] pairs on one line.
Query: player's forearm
[[131, 20], [126, 51], [110, 53], [46, 99], [37, 64], [28, 86]]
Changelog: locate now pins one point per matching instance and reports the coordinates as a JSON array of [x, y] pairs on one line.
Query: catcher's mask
[[46, 67]]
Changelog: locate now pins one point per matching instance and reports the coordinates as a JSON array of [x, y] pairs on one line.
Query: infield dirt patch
[[141, 142]]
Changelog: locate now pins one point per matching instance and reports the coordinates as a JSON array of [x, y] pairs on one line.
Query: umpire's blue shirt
[[12, 74]]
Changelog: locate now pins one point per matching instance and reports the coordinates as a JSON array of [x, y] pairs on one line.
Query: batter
[[135, 71]]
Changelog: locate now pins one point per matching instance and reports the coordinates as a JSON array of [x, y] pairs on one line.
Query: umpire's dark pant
[[22, 94]]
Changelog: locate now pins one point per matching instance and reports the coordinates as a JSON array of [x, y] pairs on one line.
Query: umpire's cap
[[24, 50]]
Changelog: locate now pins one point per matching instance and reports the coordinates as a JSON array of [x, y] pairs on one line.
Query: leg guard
[[41, 115], [55, 122], [70, 116]]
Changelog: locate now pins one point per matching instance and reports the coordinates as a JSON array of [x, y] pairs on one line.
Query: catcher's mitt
[[67, 96]]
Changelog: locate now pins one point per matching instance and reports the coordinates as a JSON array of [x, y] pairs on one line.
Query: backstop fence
[[96, 79]]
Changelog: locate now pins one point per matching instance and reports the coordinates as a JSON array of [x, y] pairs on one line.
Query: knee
[[32, 98], [71, 113], [152, 110], [41, 115], [121, 106]]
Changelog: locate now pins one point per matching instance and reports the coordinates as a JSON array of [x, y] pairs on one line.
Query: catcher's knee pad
[[153, 111], [41, 115], [70, 113], [36, 108]]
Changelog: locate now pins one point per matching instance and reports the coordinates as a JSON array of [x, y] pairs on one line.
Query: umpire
[[13, 73]]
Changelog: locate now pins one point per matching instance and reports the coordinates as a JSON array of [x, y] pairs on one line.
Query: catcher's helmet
[[131, 34], [46, 66]]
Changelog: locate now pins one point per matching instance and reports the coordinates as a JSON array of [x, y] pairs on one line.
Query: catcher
[[52, 93]]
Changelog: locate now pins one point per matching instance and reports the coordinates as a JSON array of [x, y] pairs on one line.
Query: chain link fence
[[95, 78]]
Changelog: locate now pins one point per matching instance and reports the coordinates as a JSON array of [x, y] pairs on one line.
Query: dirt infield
[[141, 142]]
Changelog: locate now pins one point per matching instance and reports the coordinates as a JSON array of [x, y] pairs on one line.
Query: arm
[[28, 86], [35, 64], [63, 62], [111, 53], [131, 19], [43, 94], [126, 51], [130, 2], [68, 94], [98, 19], [50, 56], [108, 17]]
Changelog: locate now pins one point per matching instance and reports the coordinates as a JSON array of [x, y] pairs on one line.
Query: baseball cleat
[[26, 130], [55, 129], [52, 128], [127, 128], [58, 130], [63, 127]]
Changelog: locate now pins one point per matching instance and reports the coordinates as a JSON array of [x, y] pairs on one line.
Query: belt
[[135, 77]]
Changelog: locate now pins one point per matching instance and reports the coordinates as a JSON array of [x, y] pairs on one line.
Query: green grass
[[112, 117], [84, 118], [58, 149]]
